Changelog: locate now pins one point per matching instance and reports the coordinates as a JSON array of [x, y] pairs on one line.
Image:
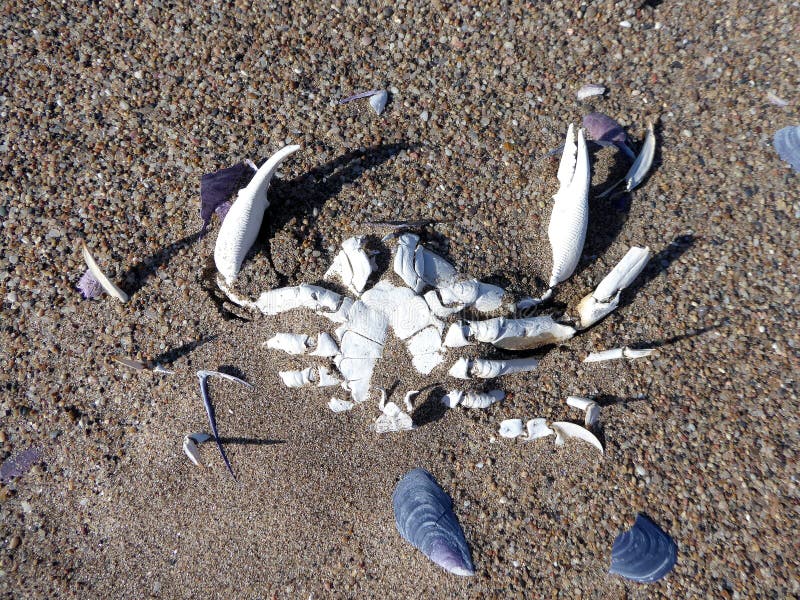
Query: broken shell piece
[[565, 430], [537, 428], [291, 343], [787, 145], [605, 298], [326, 346], [352, 265], [378, 101], [295, 379], [339, 406], [425, 348], [472, 399], [105, 282], [325, 378], [190, 446], [519, 334], [465, 368], [616, 353], [644, 553], [419, 267], [511, 428], [393, 419], [643, 162], [273, 302], [457, 336], [485, 297], [589, 90], [590, 408], [240, 228], [439, 309], [570, 216]]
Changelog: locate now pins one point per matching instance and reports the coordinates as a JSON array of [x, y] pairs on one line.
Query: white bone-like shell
[[240, 228], [393, 419], [419, 267], [511, 428], [295, 379], [485, 297], [338, 406], [641, 166], [457, 336], [473, 399], [616, 353], [589, 90], [273, 302], [520, 334], [105, 282], [291, 343], [352, 265], [465, 368], [425, 348], [452, 398], [537, 428], [570, 216], [565, 430], [606, 296], [378, 101], [326, 346], [325, 378], [439, 309], [590, 408], [460, 369], [190, 443]]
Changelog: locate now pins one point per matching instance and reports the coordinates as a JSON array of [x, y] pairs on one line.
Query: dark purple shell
[[644, 553], [218, 187], [424, 516], [787, 143], [603, 128]]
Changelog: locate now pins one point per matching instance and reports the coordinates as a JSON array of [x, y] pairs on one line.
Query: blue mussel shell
[[644, 553]]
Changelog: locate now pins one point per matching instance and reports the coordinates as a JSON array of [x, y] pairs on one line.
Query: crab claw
[[570, 217], [240, 228]]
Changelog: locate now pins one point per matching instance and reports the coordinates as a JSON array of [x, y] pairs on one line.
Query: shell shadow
[[432, 409], [173, 354], [136, 275]]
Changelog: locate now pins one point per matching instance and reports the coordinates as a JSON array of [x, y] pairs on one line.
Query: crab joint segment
[[616, 353], [466, 368], [605, 298], [510, 334], [472, 399]]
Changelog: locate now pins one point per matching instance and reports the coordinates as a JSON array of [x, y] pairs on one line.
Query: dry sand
[[111, 114]]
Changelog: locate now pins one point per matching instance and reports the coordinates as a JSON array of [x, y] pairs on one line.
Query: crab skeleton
[[431, 298]]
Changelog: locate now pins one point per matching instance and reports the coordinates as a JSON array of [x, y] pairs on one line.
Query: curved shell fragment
[[419, 267], [190, 447], [105, 282], [565, 430], [570, 216], [511, 428], [273, 302], [641, 166], [537, 428], [787, 145], [439, 309], [240, 228], [326, 346], [352, 265], [465, 368], [393, 419], [485, 297], [378, 101], [294, 379]]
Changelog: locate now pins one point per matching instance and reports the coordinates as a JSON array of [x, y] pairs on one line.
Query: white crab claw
[[570, 216], [393, 419], [605, 298], [565, 430], [240, 228]]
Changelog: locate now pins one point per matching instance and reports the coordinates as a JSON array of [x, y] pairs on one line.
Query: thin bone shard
[[280, 300], [294, 379], [643, 162], [105, 282], [473, 399], [617, 353], [352, 265], [589, 407]]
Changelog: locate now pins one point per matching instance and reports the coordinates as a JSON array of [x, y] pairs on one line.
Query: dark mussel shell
[[644, 553]]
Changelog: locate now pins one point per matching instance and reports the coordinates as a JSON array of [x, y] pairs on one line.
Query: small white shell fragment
[[393, 419], [190, 443], [325, 379], [240, 228], [511, 428], [457, 336], [408, 399], [537, 428], [643, 162], [378, 101], [588, 406], [426, 350], [105, 282], [439, 309], [570, 216], [352, 265], [452, 398], [291, 343], [339, 406], [606, 296], [473, 399], [616, 353], [520, 334], [485, 297], [295, 379], [419, 267], [273, 302], [565, 430], [589, 90], [326, 346], [460, 369]]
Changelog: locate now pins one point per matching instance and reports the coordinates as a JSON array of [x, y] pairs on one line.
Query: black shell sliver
[[644, 553], [424, 516]]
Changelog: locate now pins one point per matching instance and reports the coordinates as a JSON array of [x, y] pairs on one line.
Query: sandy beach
[[112, 113]]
